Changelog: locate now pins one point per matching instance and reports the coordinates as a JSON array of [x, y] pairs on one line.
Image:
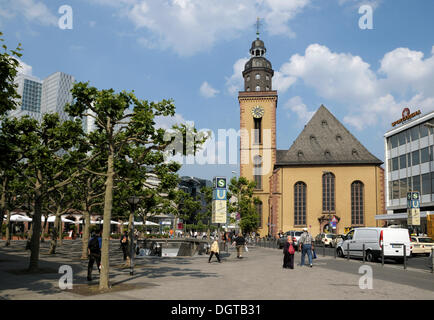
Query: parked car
[[391, 240], [422, 245], [336, 240], [325, 239], [295, 238]]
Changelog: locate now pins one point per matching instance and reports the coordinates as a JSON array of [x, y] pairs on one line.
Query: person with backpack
[[306, 245], [94, 251], [124, 244], [288, 254]]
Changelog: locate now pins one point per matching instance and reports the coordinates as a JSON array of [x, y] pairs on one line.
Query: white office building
[[56, 92], [409, 161], [30, 90], [43, 96]]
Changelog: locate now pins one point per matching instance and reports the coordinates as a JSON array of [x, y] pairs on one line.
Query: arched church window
[[328, 192], [257, 171], [258, 76], [357, 210], [258, 88], [300, 204]]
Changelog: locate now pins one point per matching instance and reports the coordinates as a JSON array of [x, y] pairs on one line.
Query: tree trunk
[[108, 203], [3, 204], [54, 236], [43, 228], [36, 232], [86, 233], [8, 228], [60, 231]]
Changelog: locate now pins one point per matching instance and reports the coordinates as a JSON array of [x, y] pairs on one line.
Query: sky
[[364, 60]]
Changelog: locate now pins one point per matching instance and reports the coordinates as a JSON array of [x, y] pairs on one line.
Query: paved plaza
[[258, 276]]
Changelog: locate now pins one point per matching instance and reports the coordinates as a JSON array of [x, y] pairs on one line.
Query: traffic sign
[[219, 183]]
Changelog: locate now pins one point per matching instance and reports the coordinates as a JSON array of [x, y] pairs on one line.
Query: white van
[[392, 240]]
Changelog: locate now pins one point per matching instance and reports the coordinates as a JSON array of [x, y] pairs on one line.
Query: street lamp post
[[133, 201]]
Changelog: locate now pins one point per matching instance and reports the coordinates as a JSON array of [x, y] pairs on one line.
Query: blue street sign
[[219, 194]]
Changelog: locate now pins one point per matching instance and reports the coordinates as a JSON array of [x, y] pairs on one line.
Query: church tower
[[258, 103]]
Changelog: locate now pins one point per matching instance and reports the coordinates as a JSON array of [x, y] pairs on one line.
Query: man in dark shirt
[[94, 251], [239, 242]]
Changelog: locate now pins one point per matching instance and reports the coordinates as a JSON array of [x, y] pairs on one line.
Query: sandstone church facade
[[326, 175]]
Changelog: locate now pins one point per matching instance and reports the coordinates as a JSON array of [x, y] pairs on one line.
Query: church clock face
[[257, 112]]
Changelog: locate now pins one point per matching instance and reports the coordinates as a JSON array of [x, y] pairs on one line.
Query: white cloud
[[235, 82], [404, 78], [296, 105], [33, 11], [168, 122], [24, 68], [280, 12], [192, 26], [207, 91], [281, 82]]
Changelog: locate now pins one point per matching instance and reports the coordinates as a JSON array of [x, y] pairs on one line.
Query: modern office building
[[30, 90], [192, 186], [409, 161], [56, 92], [44, 96]]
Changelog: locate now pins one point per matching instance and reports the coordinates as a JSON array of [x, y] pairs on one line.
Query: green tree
[[46, 150], [8, 101], [244, 205], [127, 136]]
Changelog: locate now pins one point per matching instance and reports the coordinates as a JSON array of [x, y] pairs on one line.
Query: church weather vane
[[258, 25]]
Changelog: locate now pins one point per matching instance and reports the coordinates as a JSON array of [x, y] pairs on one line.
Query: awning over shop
[[399, 216]]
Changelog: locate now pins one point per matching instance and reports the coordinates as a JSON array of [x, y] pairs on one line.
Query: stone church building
[[327, 181]]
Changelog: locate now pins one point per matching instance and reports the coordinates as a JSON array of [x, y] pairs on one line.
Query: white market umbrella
[[20, 218], [52, 218], [148, 223], [136, 223], [102, 222]]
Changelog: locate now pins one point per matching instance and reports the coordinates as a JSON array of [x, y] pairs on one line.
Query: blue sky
[[173, 48]]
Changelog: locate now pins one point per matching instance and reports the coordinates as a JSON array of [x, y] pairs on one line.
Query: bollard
[[405, 258], [382, 255], [363, 251], [323, 250], [432, 260], [335, 252], [348, 251]]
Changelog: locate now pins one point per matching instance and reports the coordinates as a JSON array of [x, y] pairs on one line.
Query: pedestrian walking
[[214, 251], [124, 244], [288, 254], [306, 245], [239, 242], [94, 252]]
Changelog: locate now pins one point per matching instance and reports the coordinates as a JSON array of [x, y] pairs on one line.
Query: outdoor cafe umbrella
[[20, 218], [52, 218], [102, 222], [137, 223]]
